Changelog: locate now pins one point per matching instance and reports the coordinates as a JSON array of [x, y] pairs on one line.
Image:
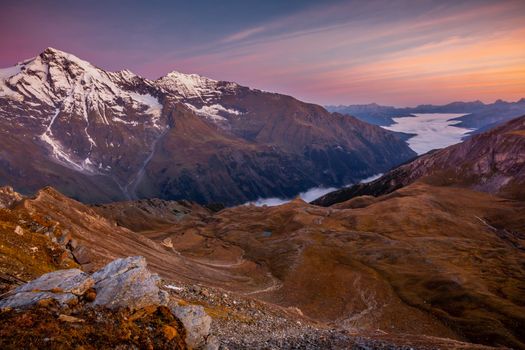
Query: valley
[[424, 262], [431, 131]]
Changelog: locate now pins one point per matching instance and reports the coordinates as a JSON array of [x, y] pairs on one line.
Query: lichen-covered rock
[[196, 322], [127, 283], [27, 299], [72, 281], [123, 283], [64, 286]]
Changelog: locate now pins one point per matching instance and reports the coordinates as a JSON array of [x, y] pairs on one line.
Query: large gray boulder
[[63, 286], [128, 283]]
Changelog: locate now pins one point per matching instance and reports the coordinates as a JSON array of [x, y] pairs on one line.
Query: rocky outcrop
[[123, 283], [8, 197], [64, 286]]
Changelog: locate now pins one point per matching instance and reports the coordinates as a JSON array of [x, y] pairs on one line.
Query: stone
[[23, 300], [73, 244], [70, 319], [65, 238], [169, 332], [196, 322], [127, 283], [212, 343], [8, 197], [19, 231], [167, 242], [82, 255], [63, 286], [72, 281]]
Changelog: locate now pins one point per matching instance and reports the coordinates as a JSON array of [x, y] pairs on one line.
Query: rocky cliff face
[[492, 162], [100, 136]]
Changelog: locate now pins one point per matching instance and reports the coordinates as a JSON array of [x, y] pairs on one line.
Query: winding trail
[[276, 284]]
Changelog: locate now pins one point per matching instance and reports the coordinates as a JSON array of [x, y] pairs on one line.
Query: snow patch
[[173, 287], [59, 153], [212, 111], [154, 106], [6, 73], [118, 120]]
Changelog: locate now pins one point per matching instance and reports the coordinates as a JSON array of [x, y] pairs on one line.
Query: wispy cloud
[[429, 55], [396, 52], [244, 34]]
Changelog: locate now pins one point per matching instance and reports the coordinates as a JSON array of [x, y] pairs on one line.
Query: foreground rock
[[124, 284], [64, 286], [197, 324], [128, 283]]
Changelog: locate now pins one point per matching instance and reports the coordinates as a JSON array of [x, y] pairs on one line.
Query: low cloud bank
[[307, 196], [433, 130]]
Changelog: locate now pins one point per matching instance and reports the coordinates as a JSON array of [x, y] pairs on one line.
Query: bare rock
[[196, 322], [82, 255], [73, 244], [19, 231], [65, 238], [72, 281], [127, 283], [8, 197], [70, 319], [167, 243], [63, 286], [24, 300]]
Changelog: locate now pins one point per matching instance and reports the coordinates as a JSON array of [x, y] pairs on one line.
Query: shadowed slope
[[492, 162]]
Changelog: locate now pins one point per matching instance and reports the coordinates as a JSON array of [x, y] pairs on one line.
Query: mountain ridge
[[477, 115], [77, 126], [491, 162]]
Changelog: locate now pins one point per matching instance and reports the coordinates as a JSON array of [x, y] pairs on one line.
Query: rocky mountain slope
[[492, 162], [102, 136], [426, 267]]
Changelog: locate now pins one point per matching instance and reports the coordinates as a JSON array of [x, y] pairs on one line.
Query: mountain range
[[477, 115], [101, 136]]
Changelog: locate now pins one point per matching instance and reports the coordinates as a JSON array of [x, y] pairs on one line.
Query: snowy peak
[[80, 112], [193, 85], [60, 57], [62, 80]]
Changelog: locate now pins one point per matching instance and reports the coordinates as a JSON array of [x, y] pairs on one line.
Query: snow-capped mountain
[[99, 135]]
